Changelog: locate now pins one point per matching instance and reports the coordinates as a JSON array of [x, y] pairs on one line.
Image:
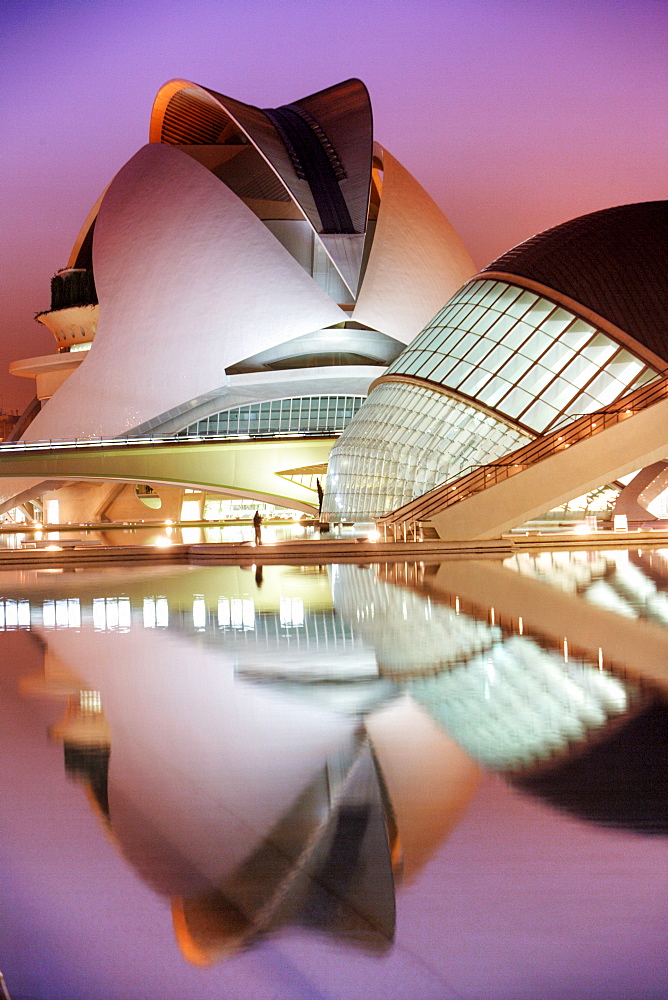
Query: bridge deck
[[233, 466]]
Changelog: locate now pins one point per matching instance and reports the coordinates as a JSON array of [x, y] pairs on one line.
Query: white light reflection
[[156, 612], [111, 613], [63, 613], [199, 613], [14, 614], [292, 612]]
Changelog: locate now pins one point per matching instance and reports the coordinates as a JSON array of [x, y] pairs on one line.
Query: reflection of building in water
[[325, 865], [253, 808], [83, 729], [620, 781], [518, 705], [530, 703], [268, 811], [618, 581], [389, 617], [509, 702]]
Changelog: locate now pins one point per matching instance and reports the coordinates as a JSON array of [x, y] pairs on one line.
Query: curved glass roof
[[519, 353]]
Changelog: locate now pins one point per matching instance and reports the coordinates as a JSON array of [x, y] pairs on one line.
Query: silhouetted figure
[[258, 576], [318, 486], [257, 524]]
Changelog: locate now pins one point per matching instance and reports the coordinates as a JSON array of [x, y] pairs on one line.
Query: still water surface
[[336, 782]]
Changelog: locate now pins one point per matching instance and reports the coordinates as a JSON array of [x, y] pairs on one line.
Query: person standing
[[257, 524]]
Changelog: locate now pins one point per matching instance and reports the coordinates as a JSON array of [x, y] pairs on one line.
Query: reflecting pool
[[341, 781]]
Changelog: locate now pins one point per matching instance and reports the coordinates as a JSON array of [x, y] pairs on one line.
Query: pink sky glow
[[515, 115]]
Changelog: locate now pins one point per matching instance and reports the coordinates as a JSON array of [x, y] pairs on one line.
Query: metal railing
[[54, 444], [479, 478]]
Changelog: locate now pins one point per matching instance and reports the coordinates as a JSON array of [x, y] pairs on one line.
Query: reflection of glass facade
[[518, 704], [522, 355], [299, 414], [507, 700], [406, 440]]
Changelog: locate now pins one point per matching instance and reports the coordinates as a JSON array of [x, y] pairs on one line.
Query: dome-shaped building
[[563, 325], [248, 271]]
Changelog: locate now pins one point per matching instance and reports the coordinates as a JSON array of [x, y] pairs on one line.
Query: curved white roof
[[417, 260], [190, 281]]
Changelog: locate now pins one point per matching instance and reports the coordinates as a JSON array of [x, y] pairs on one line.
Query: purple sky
[[514, 114]]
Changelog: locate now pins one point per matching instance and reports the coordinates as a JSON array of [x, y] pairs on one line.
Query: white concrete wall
[[189, 282]]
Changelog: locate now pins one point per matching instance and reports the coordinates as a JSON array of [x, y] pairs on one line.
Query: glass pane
[[474, 317], [501, 327], [432, 343], [583, 403], [497, 358], [536, 345], [579, 371], [450, 340], [472, 385], [461, 349], [410, 364], [557, 322], [510, 295], [557, 356], [516, 337], [539, 415], [515, 402], [476, 291], [419, 364], [458, 316], [646, 376], [520, 305], [488, 318], [440, 370], [539, 311], [604, 388], [459, 373], [624, 367], [493, 294], [493, 391], [536, 379], [480, 351], [515, 368], [599, 349], [577, 334], [560, 393]]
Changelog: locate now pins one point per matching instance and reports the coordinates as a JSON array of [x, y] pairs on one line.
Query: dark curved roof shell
[[615, 262]]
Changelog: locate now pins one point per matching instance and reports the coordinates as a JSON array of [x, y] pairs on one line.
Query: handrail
[[12, 447], [478, 478]]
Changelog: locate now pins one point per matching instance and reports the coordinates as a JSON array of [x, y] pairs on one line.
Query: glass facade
[[298, 414], [533, 362], [406, 440], [522, 355]]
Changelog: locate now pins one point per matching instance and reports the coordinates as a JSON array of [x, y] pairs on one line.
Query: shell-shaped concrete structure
[[563, 325], [244, 256]]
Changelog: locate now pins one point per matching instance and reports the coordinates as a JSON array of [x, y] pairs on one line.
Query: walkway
[[264, 469]]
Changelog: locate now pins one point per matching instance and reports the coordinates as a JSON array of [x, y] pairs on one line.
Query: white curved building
[[246, 271]]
